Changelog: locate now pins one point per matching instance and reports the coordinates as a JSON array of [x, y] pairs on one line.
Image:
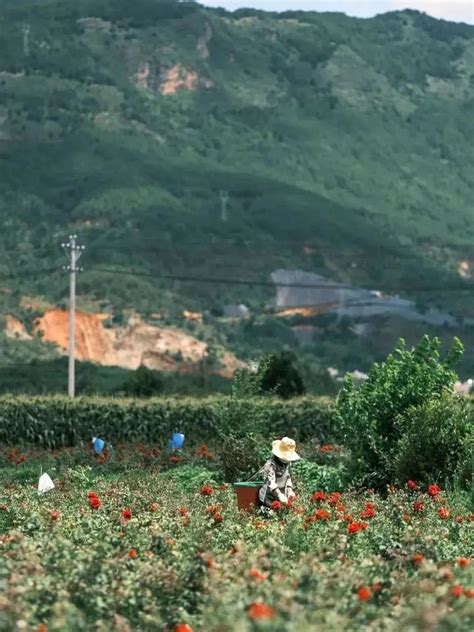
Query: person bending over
[[277, 471]]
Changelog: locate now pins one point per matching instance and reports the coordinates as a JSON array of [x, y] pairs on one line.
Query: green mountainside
[[181, 142]]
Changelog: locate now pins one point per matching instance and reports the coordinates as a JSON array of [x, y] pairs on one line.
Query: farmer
[[277, 471]]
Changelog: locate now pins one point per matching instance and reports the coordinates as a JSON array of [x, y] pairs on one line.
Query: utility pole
[[73, 253]]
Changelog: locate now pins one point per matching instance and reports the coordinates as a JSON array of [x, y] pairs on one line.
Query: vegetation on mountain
[[181, 142]]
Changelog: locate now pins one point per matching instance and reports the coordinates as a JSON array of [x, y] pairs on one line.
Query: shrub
[[370, 416], [314, 476], [241, 457], [435, 442]]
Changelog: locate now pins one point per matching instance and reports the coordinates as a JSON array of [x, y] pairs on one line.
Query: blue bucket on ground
[[98, 445], [177, 441]]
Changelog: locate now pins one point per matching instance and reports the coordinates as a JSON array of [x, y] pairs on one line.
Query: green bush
[[314, 476], [435, 442], [241, 457], [370, 416], [191, 477]]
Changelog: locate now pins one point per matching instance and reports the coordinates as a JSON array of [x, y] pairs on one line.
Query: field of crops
[[143, 539]]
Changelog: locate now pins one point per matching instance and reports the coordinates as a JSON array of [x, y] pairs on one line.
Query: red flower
[[126, 514], [55, 514], [369, 511], [258, 610], [334, 498], [42, 628], [276, 505], [364, 593], [321, 514], [443, 513], [94, 501], [254, 573], [133, 553], [355, 527], [318, 497], [217, 517], [183, 511], [412, 485], [182, 627], [417, 558], [418, 506], [327, 448], [463, 562], [469, 593], [206, 490], [434, 490], [91, 495], [457, 591], [458, 519]]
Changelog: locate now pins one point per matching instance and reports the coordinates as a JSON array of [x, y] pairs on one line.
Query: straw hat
[[285, 449]]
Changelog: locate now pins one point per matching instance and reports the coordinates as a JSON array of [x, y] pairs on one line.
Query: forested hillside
[[195, 147]]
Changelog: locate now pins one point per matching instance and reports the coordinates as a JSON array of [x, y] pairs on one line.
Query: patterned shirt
[[277, 476]]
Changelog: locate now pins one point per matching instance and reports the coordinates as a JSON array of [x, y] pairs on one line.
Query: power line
[[467, 286], [276, 285]]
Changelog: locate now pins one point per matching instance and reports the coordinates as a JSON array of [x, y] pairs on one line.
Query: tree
[[144, 383], [272, 375]]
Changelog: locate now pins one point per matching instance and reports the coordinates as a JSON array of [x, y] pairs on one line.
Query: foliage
[[241, 456], [248, 382], [57, 421], [272, 375], [189, 478], [144, 383], [328, 478], [283, 377], [137, 550], [373, 417], [435, 442]]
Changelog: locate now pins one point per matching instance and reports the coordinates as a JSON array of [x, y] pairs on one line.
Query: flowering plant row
[[137, 549]]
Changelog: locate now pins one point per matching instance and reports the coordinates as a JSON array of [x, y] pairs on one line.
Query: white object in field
[[463, 388], [45, 484]]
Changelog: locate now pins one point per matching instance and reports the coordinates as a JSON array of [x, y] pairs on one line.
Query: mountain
[[204, 150]]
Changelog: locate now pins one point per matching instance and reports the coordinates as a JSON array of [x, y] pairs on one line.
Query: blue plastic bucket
[[98, 445], [177, 441]]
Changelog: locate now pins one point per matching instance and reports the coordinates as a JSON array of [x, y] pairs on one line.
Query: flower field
[[145, 540]]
